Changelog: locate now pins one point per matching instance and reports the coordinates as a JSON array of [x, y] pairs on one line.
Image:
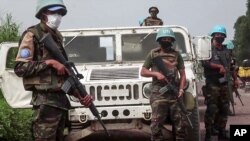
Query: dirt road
[[242, 113], [242, 117]]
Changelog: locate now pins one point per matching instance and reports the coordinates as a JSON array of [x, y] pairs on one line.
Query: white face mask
[[54, 20]]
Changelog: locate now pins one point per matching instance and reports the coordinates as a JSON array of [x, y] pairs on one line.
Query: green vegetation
[[11, 58], [15, 124], [8, 29], [242, 35]]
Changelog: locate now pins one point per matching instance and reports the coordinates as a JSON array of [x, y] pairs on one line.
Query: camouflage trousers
[[48, 123], [217, 102], [161, 109]]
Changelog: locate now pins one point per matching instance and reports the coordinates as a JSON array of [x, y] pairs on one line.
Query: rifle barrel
[[238, 95], [226, 65]]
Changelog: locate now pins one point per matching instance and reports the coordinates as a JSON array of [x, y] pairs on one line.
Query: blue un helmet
[[54, 4], [165, 32], [219, 29]]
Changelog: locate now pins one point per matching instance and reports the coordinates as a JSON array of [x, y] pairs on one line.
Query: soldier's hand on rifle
[[60, 68], [236, 83], [160, 76], [222, 70], [86, 101], [180, 93]]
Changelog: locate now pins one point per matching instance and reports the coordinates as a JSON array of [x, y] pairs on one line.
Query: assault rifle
[[169, 86], [72, 82], [228, 77], [238, 95]]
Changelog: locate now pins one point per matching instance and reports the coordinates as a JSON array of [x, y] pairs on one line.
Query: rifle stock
[[73, 80], [160, 65]]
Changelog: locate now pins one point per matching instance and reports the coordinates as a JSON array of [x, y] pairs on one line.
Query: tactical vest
[[48, 80], [170, 60], [151, 22], [213, 75]]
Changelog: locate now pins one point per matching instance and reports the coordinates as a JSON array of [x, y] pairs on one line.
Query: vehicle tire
[[194, 134]]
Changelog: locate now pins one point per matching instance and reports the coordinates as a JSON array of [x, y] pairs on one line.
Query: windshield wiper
[[72, 39], [147, 35]]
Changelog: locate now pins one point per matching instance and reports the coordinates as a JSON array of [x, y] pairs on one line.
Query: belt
[[50, 91]]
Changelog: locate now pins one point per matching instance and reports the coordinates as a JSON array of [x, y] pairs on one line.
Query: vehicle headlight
[[146, 90]]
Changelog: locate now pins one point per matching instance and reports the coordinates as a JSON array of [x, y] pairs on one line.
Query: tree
[[15, 124], [242, 35], [8, 29]]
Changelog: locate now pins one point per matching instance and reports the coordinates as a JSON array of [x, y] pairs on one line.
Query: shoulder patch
[[25, 53]]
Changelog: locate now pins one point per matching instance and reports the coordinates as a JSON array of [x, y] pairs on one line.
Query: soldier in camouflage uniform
[[230, 46], [44, 75], [164, 104], [153, 19], [215, 90]]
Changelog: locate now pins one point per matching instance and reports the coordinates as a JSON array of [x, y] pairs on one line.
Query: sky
[[198, 16]]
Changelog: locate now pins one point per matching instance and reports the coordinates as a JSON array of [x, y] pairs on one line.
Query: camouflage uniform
[[49, 102], [153, 19], [149, 21], [164, 105], [215, 92]]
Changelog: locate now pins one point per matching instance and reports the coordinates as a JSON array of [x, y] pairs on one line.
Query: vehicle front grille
[[117, 92], [119, 73]]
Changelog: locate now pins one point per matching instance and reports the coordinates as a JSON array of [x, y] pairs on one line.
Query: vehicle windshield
[[96, 49], [135, 47], [90, 49]]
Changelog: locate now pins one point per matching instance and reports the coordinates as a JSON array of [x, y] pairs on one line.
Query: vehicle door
[[11, 85]]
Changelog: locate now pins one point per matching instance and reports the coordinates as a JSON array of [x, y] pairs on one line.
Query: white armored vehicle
[[110, 60]]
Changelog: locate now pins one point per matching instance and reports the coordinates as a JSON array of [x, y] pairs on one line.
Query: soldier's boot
[[208, 136], [223, 135]]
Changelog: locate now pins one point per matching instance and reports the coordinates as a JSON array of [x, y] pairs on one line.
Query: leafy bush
[[15, 124], [8, 30], [11, 57]]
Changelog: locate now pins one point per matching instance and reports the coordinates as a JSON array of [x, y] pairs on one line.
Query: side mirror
[[204, 48]]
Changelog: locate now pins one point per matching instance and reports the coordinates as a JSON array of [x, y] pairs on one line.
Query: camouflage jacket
[[172, 59], [149, 21], [37, 76], [213, 75]]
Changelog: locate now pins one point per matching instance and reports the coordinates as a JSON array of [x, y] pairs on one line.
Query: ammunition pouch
[[217, 80], [48, 81], [223, 80], [189, 100]]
